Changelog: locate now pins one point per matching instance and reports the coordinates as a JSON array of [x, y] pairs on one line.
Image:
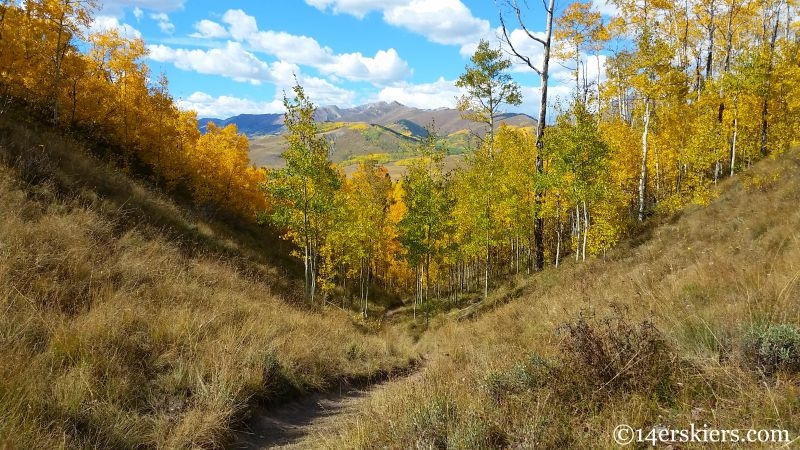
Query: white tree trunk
[[585, 228], [735, 132], [643, 175]]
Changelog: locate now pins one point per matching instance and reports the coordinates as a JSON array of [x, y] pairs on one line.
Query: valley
[[562, 227]]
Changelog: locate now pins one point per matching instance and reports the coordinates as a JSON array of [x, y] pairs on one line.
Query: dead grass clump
[[602, 358], [599, 359]]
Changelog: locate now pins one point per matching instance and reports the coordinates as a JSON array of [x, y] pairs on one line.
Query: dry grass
[[126, 324], [672, 351]]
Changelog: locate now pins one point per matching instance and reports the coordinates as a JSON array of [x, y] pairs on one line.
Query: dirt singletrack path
[[303, 423]]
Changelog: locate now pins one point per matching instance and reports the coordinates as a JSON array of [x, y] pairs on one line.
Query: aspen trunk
[[585, 227], [558, 243], [306, 261], [366, 290], [577, 232], [643, 175], [735, 132], [486, 269], [545, 75]]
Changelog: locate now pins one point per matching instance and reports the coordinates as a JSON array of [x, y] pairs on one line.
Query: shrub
[[522, 377], [773, 348], [432, 423], [612, 356]]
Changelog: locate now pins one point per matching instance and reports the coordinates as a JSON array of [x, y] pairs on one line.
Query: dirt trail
[[299, 424]]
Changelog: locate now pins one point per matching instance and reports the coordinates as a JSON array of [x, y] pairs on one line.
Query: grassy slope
[[129, 323], [705, 278]]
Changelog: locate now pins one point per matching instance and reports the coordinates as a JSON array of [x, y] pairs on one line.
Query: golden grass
[[120, 329], [705, 278]]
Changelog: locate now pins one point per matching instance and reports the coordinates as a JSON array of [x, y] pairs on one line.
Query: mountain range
[[446, 120], [383, 131]]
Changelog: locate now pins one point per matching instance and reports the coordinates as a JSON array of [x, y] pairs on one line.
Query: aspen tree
[[302, 192], [488, 87], [544, 75]]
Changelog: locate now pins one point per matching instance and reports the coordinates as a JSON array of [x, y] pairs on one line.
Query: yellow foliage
[[360, 126]]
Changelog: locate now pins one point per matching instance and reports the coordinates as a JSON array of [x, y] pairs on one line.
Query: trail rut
[[301, 424]]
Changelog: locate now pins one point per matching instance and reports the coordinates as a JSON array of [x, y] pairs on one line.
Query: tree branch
[[521, 57], [518, 12]]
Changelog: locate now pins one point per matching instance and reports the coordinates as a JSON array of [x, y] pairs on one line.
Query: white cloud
[[226, 106], [439, 94], [106, 23], [384, 68], [242, 25], [357, 8], [232, 61], [164, 24], [321, 91], [447, 22], [207, 29], [138, 13], [297, 49]]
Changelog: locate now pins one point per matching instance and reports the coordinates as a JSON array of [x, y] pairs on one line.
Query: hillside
[[131, 322], [692, 321]]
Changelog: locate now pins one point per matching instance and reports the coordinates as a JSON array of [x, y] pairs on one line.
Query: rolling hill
[[385, 132]]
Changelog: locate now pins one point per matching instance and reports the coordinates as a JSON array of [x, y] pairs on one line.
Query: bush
[[523, 377], [432, 423], [773, 348], [612, 356]]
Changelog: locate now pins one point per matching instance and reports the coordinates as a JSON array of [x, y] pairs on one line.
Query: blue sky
[[233, 57]]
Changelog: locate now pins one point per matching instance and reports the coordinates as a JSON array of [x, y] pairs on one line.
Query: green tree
[[489, 87], [302, 193], [355, 242], [579, 158], [427, 221]]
